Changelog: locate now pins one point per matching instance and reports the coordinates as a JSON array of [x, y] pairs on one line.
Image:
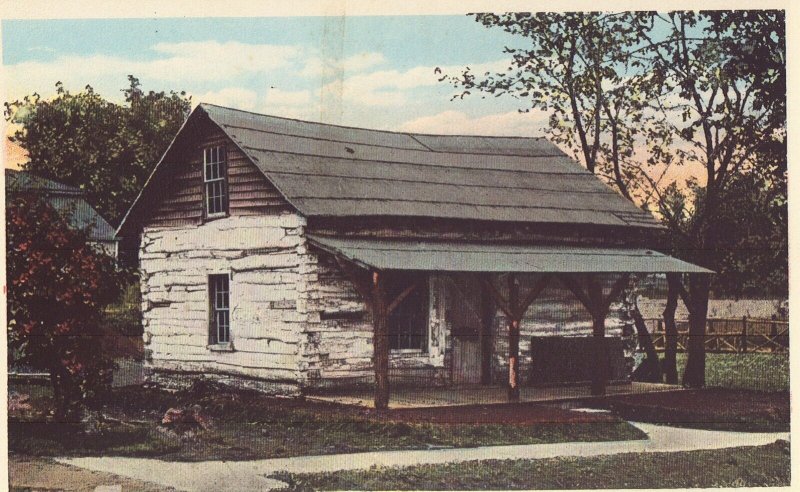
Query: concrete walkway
[[251, 475]]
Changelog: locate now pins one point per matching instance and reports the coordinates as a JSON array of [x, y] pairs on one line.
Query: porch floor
[[408, 397]]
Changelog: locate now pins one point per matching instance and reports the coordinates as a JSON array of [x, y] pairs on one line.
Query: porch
[[493, 279], [462, 395]]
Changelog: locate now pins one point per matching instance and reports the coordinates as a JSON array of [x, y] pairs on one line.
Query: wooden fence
[[740, 335]]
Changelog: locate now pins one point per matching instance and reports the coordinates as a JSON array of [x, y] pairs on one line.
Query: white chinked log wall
[[265, 257], [339, 335]]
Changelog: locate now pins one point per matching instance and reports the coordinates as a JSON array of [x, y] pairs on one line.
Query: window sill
[[222, 347], [208, 218], [400, 353]]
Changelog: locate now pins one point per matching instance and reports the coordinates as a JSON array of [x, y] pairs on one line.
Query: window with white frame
[[215, 175], [220, 317]]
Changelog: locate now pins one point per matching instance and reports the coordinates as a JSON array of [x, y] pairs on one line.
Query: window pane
[[408, 323], [219, 292], [214, 176]]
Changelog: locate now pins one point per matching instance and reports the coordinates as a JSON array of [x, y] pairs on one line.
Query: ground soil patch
[[713, 408], [249, 425], [520, 413], [28, 473]]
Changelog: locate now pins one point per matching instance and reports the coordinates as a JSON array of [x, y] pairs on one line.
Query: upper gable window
[[215, 175]]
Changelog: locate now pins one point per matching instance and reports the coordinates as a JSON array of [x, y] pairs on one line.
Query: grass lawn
[[248, 425], [734, 467], [760, 372]]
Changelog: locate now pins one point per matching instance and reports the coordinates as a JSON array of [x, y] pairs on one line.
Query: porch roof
[[384, 254]]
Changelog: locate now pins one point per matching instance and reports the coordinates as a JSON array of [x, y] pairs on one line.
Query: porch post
[[370, 285], [598, 305], [513, 339], [514, 311], [380, 341], [599, 348], [488, 310]]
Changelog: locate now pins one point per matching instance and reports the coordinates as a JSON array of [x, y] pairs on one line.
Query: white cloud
[[181, 64], [278, 97], [318, 66], [512, 123], [386, 88]]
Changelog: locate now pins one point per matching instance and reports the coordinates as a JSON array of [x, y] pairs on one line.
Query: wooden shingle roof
[[460, 256], [334, 171]]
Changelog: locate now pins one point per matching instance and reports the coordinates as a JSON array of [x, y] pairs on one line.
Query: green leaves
[[632, 93], [104, 148]]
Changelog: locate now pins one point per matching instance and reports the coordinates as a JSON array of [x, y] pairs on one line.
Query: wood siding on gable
[[249, 191]]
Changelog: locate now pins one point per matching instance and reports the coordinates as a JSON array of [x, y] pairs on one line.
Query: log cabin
[[291, 256]]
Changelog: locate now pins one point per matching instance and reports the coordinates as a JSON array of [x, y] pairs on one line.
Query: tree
[[730, 96], [104, 148], [686, 87], [581, 68], [57, 287]]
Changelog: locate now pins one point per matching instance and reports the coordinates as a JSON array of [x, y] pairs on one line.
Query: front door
[[466, 360]]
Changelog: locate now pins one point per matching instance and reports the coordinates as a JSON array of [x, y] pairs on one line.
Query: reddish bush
[[57, 287]]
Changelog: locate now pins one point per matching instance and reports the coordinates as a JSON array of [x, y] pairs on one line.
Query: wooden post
[[744, 334], [488, 311], [380, 341], [514, 311], [513, 339], [599, 352], [598, 305], [372, 290]]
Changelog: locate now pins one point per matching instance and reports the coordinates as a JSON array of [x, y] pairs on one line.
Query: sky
[[369, 71], [366, 71]]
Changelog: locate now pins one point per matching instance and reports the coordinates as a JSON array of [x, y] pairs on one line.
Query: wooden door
[[466, 360]]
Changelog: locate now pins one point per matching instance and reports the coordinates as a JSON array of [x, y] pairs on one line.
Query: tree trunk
[[694, 375], [380, 342], [652, 370], [670, 365]]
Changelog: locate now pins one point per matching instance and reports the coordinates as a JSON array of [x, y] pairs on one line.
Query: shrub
[[58, 286]]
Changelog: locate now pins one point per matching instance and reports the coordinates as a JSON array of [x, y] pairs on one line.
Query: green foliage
[[57, 288], [703, 88], [106, 149], [757, 372], [733, 113]]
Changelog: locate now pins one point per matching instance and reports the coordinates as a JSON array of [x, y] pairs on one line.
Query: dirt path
[[252, 475], [45, 474]]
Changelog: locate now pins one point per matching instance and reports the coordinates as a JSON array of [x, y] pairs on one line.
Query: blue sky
[[366, 71]]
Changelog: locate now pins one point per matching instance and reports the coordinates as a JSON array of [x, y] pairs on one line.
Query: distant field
[[761, 372]]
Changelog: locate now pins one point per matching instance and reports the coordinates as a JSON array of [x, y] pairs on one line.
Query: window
[[215, 174], [408, 323], [219, 297]]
